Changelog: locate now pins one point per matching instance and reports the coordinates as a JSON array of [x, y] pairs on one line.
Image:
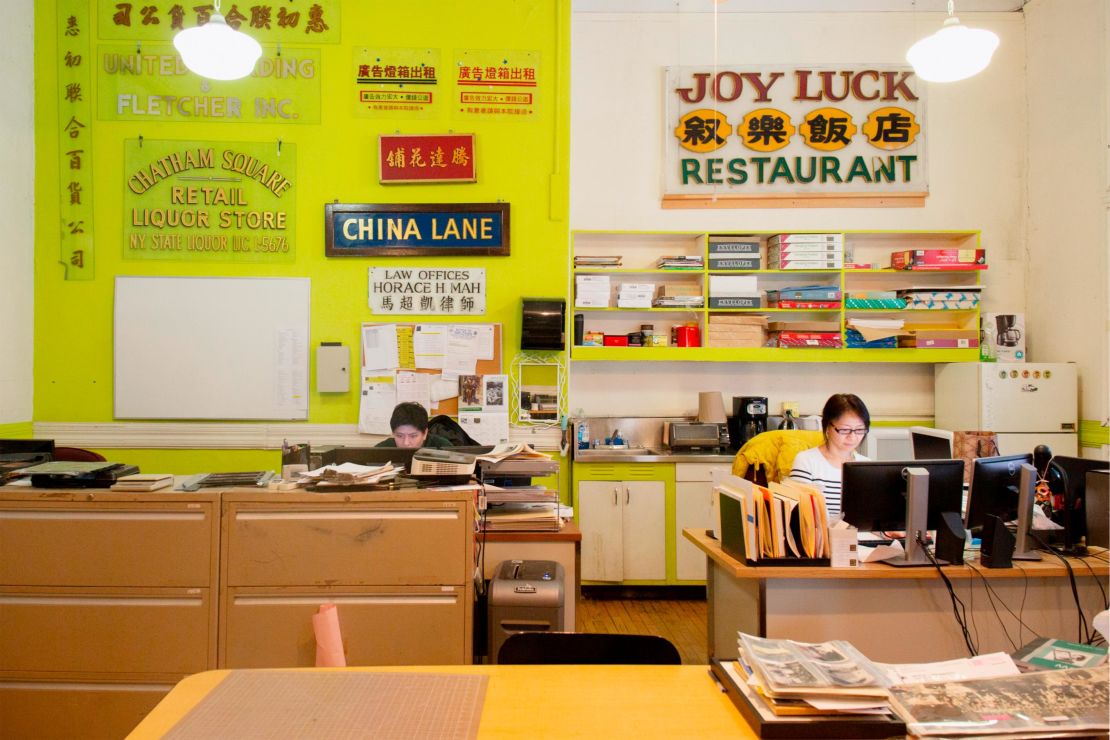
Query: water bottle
[[986, 344], [583, 435]]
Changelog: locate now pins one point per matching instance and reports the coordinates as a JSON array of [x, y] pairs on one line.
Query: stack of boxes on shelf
[[734, 253], [635, 295], [805, 252], [818, 297], [591, 291], [737, 331], [801, 334], [734, 291]]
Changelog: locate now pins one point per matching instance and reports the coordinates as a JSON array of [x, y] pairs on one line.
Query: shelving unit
[[640, 252]]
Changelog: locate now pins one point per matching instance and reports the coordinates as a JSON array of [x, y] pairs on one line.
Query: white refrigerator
[[1025, 403]]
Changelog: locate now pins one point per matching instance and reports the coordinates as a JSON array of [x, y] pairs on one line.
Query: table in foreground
[[896, 615], [544, 701]]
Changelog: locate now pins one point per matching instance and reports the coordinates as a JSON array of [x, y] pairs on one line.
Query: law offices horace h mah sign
[[741, 132]]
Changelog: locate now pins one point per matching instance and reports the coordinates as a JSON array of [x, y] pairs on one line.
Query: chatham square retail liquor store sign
[[777, 132]]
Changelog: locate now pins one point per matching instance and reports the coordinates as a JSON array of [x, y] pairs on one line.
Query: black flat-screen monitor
[[873, 493], [1075, 471], [995, 485], [27, 450], [931, 444]]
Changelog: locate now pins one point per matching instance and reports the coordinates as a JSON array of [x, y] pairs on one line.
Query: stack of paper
[[349, 474], [143, 482], [584, 260], [834, 678], [524, 517], [512, 449], [681, 262]]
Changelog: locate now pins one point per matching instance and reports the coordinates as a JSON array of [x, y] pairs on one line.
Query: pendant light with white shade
[[955, 52], [216, 50]]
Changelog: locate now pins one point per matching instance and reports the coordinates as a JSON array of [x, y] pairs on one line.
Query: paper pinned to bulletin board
[[423, 363]]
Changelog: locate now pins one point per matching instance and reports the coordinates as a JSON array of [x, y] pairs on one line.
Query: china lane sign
[[781, 131], [401, 230]]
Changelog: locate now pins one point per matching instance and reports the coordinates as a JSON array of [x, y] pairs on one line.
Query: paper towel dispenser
[[543, 323]]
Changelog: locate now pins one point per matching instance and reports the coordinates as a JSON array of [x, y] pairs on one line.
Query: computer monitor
[[905, 495], [30, 451], [1003, 486], [399, 456], [931, 444], [1075, 471]]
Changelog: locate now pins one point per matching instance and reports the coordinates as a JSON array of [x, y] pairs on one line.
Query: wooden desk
[[894, 614], [564, 547], [549, 702]]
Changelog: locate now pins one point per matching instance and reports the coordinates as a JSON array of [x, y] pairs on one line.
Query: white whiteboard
[[211, 348]]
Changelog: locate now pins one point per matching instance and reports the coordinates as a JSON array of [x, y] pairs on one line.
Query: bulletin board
[[448, 406], [211, 348]]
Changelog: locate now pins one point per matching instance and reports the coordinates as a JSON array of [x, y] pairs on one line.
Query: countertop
[[650, 456]]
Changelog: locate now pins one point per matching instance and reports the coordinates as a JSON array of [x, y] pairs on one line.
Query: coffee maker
[[1008, 334], [749, 418]]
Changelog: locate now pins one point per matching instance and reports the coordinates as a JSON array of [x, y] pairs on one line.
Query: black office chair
[[569, 648]]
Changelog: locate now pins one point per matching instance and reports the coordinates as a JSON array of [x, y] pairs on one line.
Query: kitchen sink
[[598, 452]]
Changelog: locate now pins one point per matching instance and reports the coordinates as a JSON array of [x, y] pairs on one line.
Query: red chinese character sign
[[398, 83], [798, 135], [75, 139], [497, 83], [427, 158]]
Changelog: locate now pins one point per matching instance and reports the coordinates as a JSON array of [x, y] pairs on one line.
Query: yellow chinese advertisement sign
[[267, 21], [398, 83], [74, 52], [496, 83], [776, 131], [200, 201], [153, 84]]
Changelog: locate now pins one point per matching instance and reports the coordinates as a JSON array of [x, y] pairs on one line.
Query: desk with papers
[[894, 615]]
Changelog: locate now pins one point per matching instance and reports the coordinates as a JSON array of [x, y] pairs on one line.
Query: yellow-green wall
[[520, 162]]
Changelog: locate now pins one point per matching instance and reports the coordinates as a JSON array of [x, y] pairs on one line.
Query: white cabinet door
[[693, 509], [645, 543], [600, 505]]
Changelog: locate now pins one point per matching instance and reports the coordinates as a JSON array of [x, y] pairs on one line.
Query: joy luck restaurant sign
[[781, 132]]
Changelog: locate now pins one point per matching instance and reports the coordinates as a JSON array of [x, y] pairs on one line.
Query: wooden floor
[[682, 621]]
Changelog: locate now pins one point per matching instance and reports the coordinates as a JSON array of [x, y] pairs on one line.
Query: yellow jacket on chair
[[774, 452]]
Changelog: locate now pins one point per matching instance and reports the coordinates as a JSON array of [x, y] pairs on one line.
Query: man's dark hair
[[410, 414]]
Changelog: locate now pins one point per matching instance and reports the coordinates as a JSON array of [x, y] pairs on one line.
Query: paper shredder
[[524, 596]]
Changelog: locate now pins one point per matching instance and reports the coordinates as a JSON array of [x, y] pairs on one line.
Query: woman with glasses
[[845, 421]]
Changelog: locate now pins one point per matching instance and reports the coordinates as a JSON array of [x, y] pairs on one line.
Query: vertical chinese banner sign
[[497, 83], [75, 139]]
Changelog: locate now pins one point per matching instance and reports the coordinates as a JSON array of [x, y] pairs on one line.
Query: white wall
[[1069, 191], [16, 211], [976, 158]]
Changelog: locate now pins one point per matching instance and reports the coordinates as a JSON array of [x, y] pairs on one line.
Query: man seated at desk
[[409, 423]]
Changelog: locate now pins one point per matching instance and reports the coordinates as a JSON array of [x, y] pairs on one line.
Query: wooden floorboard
[[682, 621]]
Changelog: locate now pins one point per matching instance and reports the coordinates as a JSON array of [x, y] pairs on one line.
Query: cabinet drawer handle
[[626, 501], [615, 493]]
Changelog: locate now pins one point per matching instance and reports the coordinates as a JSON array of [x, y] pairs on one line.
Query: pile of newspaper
[[349, 474], [982, 696]]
